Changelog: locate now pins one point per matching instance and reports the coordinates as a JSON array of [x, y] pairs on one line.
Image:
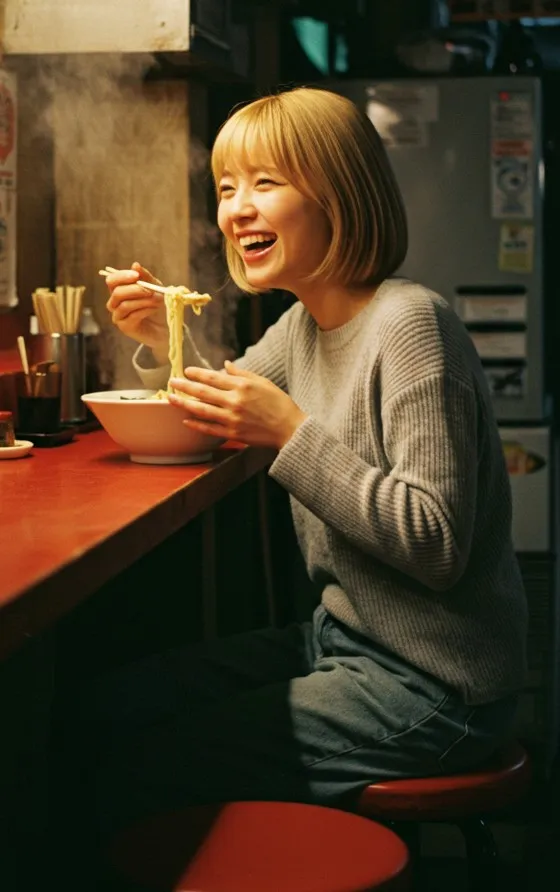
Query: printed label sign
[[402, 113], [512, 187], [512, 115], [512, 155], [516, 248]]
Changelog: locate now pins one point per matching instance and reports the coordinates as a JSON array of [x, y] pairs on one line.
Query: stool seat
[[500, 782], [264, 847]]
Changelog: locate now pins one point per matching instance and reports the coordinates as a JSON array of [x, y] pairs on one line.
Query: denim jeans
[[311, 713]]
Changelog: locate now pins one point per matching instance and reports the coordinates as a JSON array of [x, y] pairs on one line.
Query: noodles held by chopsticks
[[176, 299]]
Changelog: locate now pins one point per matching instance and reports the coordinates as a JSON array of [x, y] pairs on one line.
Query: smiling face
[[304, 174], [280, 234]]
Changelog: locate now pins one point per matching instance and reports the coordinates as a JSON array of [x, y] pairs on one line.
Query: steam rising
[[123, 164]]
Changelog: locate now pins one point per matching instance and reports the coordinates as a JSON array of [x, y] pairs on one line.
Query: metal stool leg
[[482, 855], [410, 833]]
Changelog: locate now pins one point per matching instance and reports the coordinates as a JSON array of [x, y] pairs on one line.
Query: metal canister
[[68, 352]]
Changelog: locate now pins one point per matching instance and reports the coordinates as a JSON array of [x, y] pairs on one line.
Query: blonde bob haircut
[[331, 152]]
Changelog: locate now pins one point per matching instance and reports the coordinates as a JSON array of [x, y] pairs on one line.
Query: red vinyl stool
[[263, 847], [462, 800]]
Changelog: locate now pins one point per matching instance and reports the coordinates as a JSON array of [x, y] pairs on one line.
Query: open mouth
[[257, 246]]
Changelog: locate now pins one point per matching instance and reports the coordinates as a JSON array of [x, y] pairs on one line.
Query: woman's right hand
[[137, 312]]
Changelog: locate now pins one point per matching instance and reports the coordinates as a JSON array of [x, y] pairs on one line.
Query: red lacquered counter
[[74, 516], [9, 361]]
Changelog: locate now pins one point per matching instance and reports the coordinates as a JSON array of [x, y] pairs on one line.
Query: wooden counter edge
[[40, 606]]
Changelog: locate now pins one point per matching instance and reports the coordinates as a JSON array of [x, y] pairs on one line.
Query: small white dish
[[21, 448]]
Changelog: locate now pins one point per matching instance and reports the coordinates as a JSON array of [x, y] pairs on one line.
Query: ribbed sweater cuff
[[153, 377], [308, 463]]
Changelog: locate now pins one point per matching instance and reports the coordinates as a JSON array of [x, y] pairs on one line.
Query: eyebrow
[[254, 168]]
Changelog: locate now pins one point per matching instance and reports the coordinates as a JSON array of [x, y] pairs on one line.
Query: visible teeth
[[246, 240]]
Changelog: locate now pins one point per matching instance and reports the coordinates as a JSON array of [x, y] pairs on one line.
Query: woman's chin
[[261, 281]]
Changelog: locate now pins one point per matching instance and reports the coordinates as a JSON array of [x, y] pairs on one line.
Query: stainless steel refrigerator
[[468, 156]]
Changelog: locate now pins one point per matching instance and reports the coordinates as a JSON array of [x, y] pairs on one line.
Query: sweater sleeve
[[419, 516], [155, 377], [267, 357]]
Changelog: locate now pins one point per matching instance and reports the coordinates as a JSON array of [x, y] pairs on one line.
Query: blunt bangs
[[256, 136]]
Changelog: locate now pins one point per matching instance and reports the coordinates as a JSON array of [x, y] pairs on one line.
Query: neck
[[332, 305]]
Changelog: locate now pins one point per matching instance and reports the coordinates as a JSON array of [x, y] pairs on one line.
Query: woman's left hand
[[237, 405]]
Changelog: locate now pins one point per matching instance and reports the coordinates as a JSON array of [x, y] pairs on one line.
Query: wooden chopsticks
[[60, 310], [160, 289]]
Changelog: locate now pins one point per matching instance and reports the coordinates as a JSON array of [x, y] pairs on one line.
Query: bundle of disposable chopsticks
[[60, 310]]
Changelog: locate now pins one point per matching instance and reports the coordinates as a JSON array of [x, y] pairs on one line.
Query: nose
[[242, 205]]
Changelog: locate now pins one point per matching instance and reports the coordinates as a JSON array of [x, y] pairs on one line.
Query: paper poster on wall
[[8, 153], [402, 113], [516, 248]]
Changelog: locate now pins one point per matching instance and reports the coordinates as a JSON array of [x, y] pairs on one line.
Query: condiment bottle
[[7, 437], [90, 330]]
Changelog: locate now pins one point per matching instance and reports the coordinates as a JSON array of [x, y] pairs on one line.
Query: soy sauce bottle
[[91, 331]]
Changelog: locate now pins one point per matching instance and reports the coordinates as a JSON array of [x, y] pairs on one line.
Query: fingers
[[213, 396], [213, 430], [126, 297], [206, 412], [145, 274], [130, 325], [233, 370], [130, 301], [122, 286], [210, 377], [122, 277]]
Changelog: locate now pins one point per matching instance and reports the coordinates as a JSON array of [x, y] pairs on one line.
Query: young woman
[[370, 389]]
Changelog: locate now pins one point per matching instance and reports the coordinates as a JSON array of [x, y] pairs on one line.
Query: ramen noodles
[[176, 299]]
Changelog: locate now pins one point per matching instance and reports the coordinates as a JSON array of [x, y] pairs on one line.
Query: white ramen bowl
[[151, 431]]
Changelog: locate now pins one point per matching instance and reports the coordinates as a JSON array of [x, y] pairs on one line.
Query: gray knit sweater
[[399, 491]]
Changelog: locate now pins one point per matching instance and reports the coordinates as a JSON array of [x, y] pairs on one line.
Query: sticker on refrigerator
[[512, 188], [493, 308], [507, 381], [520, 460], [401, 113], [511, 115], [395, 131], [516, 248], [512, 154], [500, 344], [409, 100]]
